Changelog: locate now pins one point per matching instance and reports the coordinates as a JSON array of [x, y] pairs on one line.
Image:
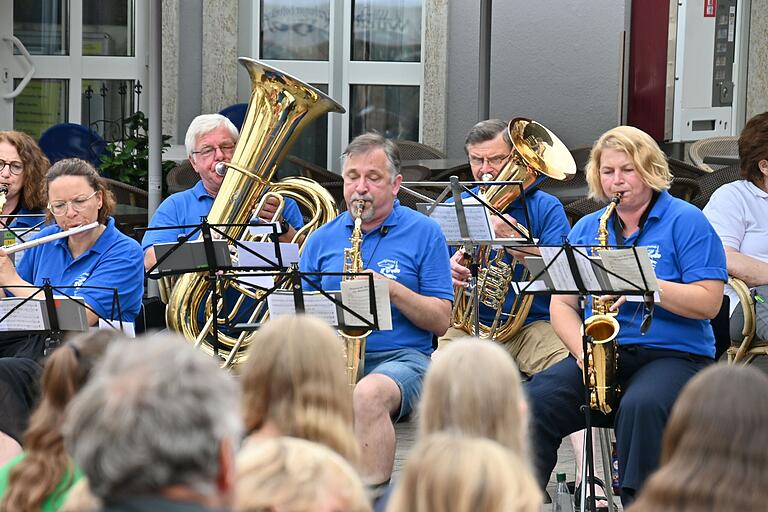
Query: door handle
[[30, 72]]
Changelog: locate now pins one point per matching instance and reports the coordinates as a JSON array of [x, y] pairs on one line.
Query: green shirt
[[53, 502]]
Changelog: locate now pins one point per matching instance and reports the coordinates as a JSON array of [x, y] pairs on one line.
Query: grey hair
[[370, 141], [153, 415], [203, 124], [485, 131]]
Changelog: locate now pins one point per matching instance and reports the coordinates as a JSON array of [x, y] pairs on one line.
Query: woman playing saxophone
[[652, 367]]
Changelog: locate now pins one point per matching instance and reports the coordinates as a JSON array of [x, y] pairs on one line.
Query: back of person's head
[[714, 453], [203, 124], [294, 379], [753, 148], [46, 461], [157, 413], [446, 473], [473, 388], [287, 474]]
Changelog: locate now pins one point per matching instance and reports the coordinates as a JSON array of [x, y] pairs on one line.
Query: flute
[[50, 238]]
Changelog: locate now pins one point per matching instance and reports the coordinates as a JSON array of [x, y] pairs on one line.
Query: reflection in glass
[[312, 144], [104, 104], [108, 27], [295, 29], [392, 110], [42, 104], [386, 30], [42, 26]]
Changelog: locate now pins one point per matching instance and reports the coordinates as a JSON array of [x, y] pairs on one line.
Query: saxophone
[[601, 360], [354, 339]]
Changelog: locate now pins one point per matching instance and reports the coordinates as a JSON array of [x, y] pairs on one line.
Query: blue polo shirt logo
[[80, 280], [654, 252], [389, 268]]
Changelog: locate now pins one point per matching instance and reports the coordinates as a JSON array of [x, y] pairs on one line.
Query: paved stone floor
[[406, 437]]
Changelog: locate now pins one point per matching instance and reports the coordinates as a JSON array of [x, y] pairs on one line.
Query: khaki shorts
[[534, 348]]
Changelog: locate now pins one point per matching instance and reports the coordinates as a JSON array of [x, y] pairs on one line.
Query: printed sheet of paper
[[129, 328], [560, 270], [289, 252], [355, 295], [29, 317], [281, 303], [528, 286], [622, 262], [478, 222]]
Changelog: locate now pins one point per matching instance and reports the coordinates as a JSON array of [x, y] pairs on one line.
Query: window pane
[[386, 30], [108, 27], [295, 29], [105, 103], [42, 104], [312, 144], [392, 110], [42, 26]]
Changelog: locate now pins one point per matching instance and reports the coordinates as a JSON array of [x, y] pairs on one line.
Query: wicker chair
[[749, 349], [711, 182], [714, 146], [127, 194], [331, 181], [181, 177], [410, 150]]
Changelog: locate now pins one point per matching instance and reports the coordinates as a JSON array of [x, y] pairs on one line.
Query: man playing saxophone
[[408, 250], [689, 263]]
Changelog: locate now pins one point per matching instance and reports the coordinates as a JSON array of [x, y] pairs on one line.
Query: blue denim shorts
[[406, 366]]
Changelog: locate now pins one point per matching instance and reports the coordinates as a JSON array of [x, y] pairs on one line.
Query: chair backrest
[[410, 150], [711, 182], [181, 177], [69, 140], [714, 146], [235, 113], [127, 194]]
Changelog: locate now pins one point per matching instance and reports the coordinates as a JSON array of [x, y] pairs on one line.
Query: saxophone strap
[[618, 225]]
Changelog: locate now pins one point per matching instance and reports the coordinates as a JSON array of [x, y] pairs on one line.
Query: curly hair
[[753, 147], [36, 164], [77, 167], [294, 378], [47, 462]]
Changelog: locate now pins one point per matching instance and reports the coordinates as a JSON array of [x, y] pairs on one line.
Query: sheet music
[[129, 328], [478, 222], [529, 286], [559, 270], [354, 295], [623, 263], [281, 303], [289, 252], [29, 317]]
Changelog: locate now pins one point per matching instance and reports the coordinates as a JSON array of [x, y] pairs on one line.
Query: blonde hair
[[462, 474], [473, 388], [292, 475], [295, 378], [649, 161]]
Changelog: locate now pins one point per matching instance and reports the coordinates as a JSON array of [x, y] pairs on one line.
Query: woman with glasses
[[653, 363], [22, 171], [90, 264]]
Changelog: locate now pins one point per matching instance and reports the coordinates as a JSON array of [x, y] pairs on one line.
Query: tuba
[[602, 358], [536, 153], [280, 107]]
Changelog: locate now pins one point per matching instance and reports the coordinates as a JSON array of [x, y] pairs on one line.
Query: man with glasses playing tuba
[[535, 346], [210, 139]]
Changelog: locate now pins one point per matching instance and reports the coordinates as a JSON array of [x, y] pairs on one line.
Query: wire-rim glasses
[[59, 208]]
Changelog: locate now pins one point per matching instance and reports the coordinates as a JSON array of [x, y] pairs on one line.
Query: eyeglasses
[[59, 208], [493, 161], [209, 151], [16, 168], [648, 314]]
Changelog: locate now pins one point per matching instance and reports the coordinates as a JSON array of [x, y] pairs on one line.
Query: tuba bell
[[280, 107], [537, 153]]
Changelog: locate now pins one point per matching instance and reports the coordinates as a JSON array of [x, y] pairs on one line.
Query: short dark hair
[[487, 130], [753, 147], [77, 167]]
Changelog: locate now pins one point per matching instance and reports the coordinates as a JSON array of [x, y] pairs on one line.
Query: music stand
[[590, 275], [19, 233]]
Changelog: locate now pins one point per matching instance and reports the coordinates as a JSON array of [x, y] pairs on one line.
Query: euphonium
[[354, 340], [536, 153], [602, 359], [279, 108]]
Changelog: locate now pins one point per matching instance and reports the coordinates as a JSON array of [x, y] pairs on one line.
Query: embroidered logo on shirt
[[654, 252], [389, 268], [80, 280]]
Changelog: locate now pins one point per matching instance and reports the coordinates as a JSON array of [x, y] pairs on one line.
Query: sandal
[[599, 486]]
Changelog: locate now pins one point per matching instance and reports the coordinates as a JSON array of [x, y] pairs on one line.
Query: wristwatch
[[284, 226]]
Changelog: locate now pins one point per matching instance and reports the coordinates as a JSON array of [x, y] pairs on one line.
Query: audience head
[[714, 443], [294, 383], [488, 147], [294, 475], [156, 415], [77, 194], [473, 388], [67, 369], [25, 170], [648, 161], [210, 139], [753, 151], [445, 473]]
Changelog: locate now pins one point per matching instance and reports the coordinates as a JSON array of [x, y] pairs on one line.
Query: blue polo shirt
[[684, 248], [114, 261], [550, 225], [186, 207], [410, 250]]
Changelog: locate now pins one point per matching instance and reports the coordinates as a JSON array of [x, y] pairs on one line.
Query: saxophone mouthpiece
[[3, 189], [220, 168]]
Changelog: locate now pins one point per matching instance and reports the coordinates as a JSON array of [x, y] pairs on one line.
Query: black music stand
[[13, 235], [589, 276]]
